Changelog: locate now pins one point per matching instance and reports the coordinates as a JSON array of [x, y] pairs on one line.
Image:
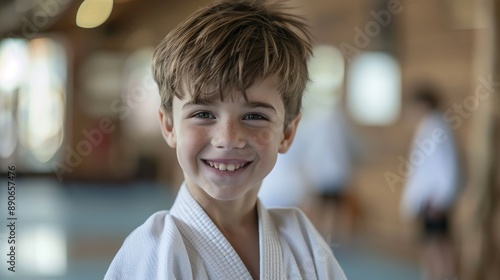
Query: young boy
[[231, 79]]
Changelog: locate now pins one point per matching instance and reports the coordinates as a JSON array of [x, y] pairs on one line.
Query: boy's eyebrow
[[256, 104], [252, 104], [197, 102]]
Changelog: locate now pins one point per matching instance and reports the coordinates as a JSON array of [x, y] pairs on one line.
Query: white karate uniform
[[184, 243], [434, 173]]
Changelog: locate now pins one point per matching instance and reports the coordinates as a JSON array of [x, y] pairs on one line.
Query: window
[[33, 100], [374, 89], [326, 74]]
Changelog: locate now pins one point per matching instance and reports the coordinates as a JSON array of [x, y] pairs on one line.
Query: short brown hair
[[229, 45], [427, 93]]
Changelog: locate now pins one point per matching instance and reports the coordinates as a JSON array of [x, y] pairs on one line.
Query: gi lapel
[[203, 235], [271, 258]]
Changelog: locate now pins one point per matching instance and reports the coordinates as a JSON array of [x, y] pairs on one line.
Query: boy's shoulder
[[152, 230], [140, 250], [144, 240]]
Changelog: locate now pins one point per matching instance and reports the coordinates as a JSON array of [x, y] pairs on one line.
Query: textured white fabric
[[184, 243], [434, 173]]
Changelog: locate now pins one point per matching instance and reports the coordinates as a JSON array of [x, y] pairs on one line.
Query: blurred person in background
[[432, 183], [315, 172], [286, 185], [327, 162]]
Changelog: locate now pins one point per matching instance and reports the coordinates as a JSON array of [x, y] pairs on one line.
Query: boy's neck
[[229, 216]]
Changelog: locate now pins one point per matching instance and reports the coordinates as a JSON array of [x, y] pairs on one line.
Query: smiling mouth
[[226, 166]]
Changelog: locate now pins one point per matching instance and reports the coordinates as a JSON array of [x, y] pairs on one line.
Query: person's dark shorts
[[435, 225], [333, 194]]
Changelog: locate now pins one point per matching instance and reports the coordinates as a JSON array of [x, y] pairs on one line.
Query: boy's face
[[226, 148]]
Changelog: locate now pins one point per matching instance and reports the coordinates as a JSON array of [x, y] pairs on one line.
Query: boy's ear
[[289, 134], [167, 127]]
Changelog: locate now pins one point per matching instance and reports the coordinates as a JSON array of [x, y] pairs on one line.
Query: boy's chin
[[228, 195], [232, 194], [216, 192]]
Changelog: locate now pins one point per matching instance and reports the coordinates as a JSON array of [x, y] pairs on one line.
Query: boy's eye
[[203, 115], [254, 117]]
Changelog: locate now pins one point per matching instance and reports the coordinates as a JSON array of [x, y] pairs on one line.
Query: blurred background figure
[[328, 161], [286, 185], [315, 172], [433, 182]]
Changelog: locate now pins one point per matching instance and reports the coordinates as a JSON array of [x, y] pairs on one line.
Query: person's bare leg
[[313, 211], [428, 260], [329, 219], [438, 260], [345, 216], [447, 255]]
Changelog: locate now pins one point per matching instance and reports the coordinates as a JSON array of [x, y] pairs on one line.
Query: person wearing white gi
[[432, 185], [231, 79]]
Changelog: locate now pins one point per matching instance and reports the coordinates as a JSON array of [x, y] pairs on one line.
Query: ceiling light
[[93, 13]]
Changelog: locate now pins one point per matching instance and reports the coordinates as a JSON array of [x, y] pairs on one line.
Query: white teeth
[[226, 167]]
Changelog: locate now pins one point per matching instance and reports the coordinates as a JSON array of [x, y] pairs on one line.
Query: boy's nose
[[228, 136]]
